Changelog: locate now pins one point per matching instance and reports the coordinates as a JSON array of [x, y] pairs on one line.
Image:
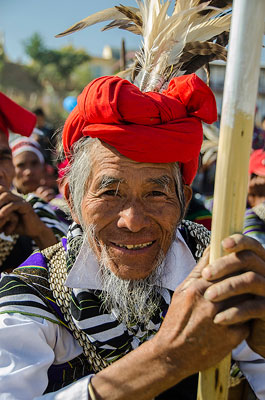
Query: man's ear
[[187, 190], [67, 195]]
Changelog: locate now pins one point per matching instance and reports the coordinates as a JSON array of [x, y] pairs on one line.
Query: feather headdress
[[210, 143], [177, 43]]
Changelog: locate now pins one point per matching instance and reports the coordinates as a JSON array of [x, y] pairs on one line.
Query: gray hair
[[79, 172]]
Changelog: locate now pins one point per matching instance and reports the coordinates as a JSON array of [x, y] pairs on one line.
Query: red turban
[[15, 118], [146, 127]]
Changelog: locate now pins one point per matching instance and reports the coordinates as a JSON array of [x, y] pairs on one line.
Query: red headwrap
[[15, 118], [146, 127]]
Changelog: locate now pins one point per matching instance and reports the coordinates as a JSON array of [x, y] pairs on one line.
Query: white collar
[[178, 264]]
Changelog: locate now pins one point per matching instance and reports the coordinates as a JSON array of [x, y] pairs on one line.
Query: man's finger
[[234, 263], [245, 311], [3, 222], [5, 198], [11, 226], [247, 283], [238, 242], [6, 210]]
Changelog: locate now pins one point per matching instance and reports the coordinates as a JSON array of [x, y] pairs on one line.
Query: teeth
[[134, 246]]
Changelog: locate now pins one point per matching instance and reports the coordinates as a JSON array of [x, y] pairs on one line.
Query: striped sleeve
[[18, 297], [47, 215], [254, 226]]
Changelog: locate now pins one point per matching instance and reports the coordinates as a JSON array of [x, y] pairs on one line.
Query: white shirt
[[30, 345]]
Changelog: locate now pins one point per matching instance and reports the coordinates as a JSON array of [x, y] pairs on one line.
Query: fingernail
[[228, 243], [219, 318], [210, 294], [207, 272]]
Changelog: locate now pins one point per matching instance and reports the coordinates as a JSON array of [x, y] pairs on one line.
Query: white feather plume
[[210, 143], [163, 54]]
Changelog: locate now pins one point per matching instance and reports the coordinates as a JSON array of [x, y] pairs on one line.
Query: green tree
[[54, 68]]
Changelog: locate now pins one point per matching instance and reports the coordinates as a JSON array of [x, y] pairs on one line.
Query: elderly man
[[23, 223], [121, 310]]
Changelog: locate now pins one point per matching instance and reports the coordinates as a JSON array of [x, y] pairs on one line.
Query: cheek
[[98, 212], [19, 173], [166, 214], [37, 171], [167, 218]]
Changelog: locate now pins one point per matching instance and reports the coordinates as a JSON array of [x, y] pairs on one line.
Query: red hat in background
[[257, 162], [15, 118], [62, 168], [145, 127]]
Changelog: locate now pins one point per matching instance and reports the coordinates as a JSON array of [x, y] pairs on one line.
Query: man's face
[[256, 190], [29, 172], [134, 209], [7, 170]]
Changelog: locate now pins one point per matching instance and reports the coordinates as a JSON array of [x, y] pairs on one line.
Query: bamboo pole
[[236, 131], [123, 56]]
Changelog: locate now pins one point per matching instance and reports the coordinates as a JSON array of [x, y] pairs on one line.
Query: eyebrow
[[162, 181], [107, 181]]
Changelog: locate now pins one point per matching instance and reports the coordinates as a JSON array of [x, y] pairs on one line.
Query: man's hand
[[240, 276], [45, 193], [17, 216], [189, 336]]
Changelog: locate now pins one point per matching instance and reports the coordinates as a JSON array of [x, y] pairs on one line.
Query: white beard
[[133, 301]]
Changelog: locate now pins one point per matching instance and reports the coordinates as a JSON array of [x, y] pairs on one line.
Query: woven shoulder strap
[[196, 236], [56, 260]]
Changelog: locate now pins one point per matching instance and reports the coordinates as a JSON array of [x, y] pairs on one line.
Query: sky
[[19, 19]]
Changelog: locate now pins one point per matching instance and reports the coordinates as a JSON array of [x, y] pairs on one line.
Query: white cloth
[[30, 345], [178, 263]]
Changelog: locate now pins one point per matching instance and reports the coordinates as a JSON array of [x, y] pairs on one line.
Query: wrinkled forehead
[[107, 161]]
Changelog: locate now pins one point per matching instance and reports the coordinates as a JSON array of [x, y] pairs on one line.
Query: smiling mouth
[[134, 246]]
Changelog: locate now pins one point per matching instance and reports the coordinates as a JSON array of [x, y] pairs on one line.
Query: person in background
[[29, 165], [254, 223], [46, 140], [42, 123], [32, 174], [25, 223], [35, 178]]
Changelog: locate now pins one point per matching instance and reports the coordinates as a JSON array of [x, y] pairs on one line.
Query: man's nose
[[133, 217], [28, 171]]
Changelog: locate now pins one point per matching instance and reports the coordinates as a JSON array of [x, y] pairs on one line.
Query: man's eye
[[156, 193], [110, 193]]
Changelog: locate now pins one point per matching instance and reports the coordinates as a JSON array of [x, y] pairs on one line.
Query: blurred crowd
[[203, 185], [34, 213]]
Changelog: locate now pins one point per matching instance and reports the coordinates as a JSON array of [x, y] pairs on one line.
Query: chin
[[127, 272]]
